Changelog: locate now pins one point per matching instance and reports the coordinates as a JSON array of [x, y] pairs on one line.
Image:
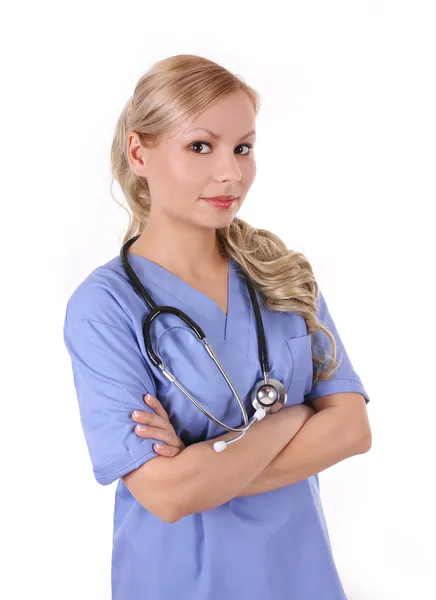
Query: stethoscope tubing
[[156, 310]]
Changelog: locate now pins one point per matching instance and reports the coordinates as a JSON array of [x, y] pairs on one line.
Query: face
[[193, 164]]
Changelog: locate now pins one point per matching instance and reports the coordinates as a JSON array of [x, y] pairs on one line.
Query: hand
[[158, 426]]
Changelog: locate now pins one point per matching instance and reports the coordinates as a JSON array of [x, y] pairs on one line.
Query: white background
[[346, 174]]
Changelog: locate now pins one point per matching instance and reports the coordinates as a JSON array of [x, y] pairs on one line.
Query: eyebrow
[[218, 137]]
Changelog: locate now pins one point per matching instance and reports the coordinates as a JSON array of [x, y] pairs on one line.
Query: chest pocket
[[301, 367]]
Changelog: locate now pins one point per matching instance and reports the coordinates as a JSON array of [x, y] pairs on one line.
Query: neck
[[189, 252]]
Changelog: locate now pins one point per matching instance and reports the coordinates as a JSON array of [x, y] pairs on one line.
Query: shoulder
[[105, 295]]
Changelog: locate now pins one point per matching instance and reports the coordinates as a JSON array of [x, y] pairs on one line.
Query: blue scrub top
[[271, 546]]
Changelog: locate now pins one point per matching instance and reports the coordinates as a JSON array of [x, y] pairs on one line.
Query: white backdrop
[[346, 174]]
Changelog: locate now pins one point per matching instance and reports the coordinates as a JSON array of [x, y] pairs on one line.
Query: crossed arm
[[338, 429], [282, 449]]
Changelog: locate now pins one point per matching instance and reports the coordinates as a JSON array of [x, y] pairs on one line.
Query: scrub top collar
[[217, 326]]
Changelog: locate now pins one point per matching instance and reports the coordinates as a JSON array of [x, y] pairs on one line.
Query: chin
[[213, 224], [220, 218]]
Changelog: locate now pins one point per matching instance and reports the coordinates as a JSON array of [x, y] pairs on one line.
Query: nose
[[227, 168]]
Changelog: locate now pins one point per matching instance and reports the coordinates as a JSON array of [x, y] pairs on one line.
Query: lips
[[221, 198], [222, 204]]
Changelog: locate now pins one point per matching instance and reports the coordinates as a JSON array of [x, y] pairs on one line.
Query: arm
[[338, 430], [205, 479]]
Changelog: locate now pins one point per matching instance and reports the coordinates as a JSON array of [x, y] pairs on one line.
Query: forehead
[[218, 136], [231, 116]]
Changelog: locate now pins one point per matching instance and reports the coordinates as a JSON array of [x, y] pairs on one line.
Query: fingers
[[147, 418], [157, 425], [163, 435], [155, 405], [166, 450], [158, 434]]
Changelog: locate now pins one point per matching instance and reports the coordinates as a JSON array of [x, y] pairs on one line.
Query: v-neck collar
[[175, 286], [187, 298]]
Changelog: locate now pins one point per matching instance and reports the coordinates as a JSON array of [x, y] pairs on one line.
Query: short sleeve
[[111, 379], [345, 379]]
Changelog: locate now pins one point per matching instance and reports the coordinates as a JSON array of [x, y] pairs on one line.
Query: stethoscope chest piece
[[269, 397]]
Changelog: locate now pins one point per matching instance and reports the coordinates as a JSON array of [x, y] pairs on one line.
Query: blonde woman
[[190, 522]]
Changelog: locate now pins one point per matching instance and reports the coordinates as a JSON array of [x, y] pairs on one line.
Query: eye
[[249, 146], [200, 143]]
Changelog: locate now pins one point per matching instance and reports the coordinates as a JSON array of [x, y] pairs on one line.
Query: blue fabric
[[271, 546]]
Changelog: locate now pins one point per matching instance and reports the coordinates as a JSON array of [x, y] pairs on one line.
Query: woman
[[193, 523]]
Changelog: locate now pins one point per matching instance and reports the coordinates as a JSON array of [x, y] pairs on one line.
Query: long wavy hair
[[172, 91]]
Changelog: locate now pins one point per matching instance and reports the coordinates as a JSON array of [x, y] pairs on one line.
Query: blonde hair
[[172, 91]]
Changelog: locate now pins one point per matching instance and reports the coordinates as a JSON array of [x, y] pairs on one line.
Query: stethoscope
[[268, 395]]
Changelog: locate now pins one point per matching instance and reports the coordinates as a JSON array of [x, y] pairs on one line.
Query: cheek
[[251, 172], [186, 173], [248, 173], [174, 181]]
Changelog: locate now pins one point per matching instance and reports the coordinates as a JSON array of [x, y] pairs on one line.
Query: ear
[[138, 155]]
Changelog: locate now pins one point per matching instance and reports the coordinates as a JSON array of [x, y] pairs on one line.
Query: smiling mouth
[[218, 203], [220, 198]]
